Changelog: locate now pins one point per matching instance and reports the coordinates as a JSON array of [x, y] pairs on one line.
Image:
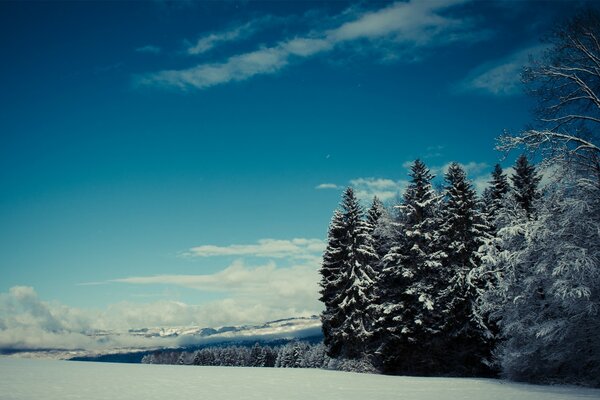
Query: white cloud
[[327, 186], [433, 151], [299, 248], [26, 322], [237, 68], [385, 189], [501, 77], [208, 42], [481, 182], [414, 24], [149, 49]]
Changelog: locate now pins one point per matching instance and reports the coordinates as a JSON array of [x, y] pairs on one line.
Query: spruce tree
[[525, 182], [347, 282], [377, 219], [461, 341], [494, 195], [331, 283], [405, 295]]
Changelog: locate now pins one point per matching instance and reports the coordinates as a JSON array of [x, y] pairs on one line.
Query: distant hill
[[182, 338]]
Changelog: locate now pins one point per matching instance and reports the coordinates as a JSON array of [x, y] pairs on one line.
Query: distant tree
[[525, 182], [256, 358], [315, 357]]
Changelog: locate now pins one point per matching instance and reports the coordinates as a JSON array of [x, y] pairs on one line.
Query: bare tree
[[566, 84]]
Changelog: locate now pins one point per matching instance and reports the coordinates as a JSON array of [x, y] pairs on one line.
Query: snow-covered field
[[51, 379]]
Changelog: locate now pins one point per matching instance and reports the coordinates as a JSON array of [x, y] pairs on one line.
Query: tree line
[[295, 354]]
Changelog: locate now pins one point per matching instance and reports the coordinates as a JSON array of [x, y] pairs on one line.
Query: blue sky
[[191, 154]]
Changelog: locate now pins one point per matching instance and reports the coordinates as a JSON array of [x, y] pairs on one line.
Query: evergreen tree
[[331, 283], [499, 185], [347, 281], [547, 289], [525, 184], [494, 195], [405, 293], [461, 342], [377, 219]]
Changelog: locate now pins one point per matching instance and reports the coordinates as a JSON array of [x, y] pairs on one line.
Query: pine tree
[[461, 341], [331, 283], [494, 195], [525, 184], [405, 295], [377, 219], [347, 281]]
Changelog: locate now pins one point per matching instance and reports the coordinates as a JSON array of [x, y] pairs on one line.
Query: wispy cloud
[[501, 77], [433, 151], [415, 24], [244, 31], [150, 49], [367, 188], [299, 248], [328, 186], [267, 284]]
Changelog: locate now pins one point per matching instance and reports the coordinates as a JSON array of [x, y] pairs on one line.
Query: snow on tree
[[331, 283], [315, 357], [347, 281], [551, 289], [461, 343], [494, 196], [405, 295], [544, 294], [525, 182], [377, 220], [497, 265]]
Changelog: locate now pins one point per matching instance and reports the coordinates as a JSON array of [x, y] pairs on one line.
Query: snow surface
[[53, 379]]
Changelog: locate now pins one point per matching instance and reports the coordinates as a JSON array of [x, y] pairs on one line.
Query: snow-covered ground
[[26, 379]]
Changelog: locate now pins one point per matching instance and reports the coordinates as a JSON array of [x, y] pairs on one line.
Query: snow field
[[25, 379]]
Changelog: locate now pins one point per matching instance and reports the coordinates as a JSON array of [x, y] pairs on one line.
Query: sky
[[177, 163]]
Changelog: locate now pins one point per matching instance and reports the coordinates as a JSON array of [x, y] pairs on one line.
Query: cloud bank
[[250, 294], [254, 295]]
